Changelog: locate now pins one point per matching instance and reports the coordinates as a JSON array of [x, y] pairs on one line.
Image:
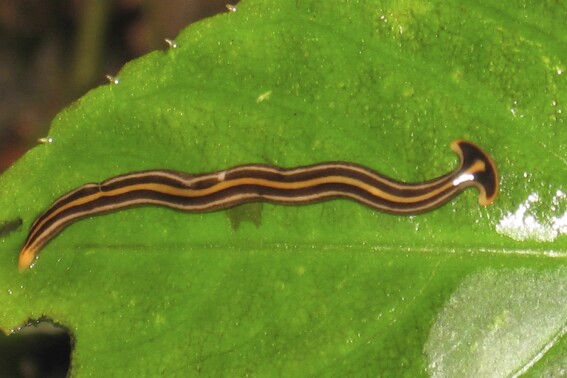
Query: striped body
[[255, 182]]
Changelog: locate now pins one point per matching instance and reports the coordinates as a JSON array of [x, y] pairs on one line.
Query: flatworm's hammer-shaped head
[[476, 162]]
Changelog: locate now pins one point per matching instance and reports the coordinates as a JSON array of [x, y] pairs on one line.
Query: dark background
[[53, 51]]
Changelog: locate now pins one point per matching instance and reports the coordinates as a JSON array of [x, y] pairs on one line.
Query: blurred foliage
[[53, 51]]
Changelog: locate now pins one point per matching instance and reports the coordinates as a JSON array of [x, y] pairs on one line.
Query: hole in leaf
[[39, 349], [10, 226]]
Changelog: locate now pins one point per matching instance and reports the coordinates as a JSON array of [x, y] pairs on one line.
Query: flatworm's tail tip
[[25, 260]]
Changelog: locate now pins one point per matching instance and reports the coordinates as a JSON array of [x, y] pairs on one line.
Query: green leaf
[[326, 289]]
